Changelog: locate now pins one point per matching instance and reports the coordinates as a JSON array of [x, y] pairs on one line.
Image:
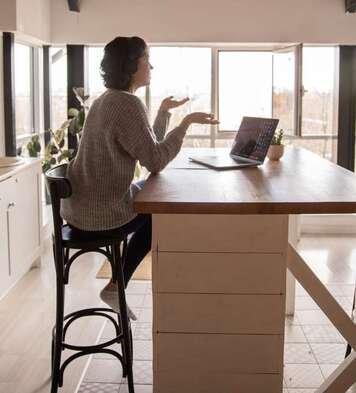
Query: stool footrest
[[85, 353]]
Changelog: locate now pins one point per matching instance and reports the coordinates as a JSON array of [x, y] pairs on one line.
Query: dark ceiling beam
[[74, 5]]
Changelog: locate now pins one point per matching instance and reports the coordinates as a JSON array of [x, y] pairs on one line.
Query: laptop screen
[[254, 137]]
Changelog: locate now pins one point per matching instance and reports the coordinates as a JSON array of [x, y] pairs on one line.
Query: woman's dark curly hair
[[120, 61]]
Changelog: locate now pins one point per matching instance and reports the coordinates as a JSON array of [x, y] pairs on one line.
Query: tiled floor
[[313, 347]]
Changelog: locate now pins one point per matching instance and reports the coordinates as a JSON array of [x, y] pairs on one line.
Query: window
[[24, 92], [245, 87], [284, 89], [319, 110], [319, 101], [94, 80], [182, 72], [234, 82], [58, 62]]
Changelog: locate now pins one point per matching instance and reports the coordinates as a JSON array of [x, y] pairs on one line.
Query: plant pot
[[275, 152]]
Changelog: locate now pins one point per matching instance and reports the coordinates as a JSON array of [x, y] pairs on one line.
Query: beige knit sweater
[[116, 135]]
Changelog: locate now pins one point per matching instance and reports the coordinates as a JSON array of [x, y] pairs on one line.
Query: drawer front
[[191, 382], [220, 233], [218, 313], [220, 273], [218, 354]]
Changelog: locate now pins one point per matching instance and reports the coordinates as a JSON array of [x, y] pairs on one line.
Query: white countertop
[[7, 172]]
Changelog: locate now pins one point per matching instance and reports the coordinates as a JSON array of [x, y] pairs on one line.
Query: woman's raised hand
[[169, 103], [200, 118]]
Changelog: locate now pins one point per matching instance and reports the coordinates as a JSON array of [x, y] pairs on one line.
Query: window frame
[[335, 96], [35, 91], [212, 134], [227, 134], [64, 48], [216, 134]]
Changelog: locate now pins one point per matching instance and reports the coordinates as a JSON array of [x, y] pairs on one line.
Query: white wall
[[310, 21], [30, 18], [33, 18], [2, 134], [7, 15]]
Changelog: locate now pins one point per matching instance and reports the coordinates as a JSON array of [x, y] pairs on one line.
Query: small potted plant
[[276, 149]]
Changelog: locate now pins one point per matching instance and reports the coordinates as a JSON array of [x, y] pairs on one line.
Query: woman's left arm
[[161, 122]]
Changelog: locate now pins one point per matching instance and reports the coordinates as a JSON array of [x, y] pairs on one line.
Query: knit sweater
[[116, 135]]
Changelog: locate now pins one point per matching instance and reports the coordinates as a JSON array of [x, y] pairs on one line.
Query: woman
[[116, 135]]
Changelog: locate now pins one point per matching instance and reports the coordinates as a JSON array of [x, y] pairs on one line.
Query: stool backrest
[[59, 188]]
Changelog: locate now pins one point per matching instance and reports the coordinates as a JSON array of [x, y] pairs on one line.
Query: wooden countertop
[[301, 182], [6, 172]]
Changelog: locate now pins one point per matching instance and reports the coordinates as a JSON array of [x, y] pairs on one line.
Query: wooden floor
[[312, 348], [26, 320]]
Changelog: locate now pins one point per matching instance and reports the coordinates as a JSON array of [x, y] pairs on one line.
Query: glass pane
[[23, 90], [319, 115], [284, 89], [245, 87], [224, 142], [58, 62], [182, 72], [326, 147], [95, 81], [196, 142]]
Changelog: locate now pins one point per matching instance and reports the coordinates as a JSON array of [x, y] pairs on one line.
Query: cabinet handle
[[8, 242]]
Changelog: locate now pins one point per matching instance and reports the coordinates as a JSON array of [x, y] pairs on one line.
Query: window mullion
[[36, 94], [32, 89], [298, 90], [214, 93]]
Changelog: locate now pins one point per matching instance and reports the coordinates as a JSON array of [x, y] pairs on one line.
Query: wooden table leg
[[345, 375], [293, 238]]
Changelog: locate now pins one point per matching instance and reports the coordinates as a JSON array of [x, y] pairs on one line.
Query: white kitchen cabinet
[[5, 189], [20, 222]]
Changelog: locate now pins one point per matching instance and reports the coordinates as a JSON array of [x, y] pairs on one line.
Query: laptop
[[249, 148]]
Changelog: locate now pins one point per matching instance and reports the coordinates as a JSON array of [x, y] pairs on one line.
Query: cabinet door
[[6, 189], [24, 221]]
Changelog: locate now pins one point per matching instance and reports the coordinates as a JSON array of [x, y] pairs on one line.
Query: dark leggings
[[140, 241], [139, 244]]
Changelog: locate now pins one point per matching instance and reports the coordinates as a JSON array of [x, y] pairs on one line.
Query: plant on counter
[[34, 146], [276, 149], [56, 151], [278, 137]]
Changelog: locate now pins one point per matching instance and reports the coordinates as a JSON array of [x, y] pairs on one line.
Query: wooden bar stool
[[65, 239]]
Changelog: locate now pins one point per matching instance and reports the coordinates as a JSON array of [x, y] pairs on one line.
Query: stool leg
[[58, 337], [127, 353]]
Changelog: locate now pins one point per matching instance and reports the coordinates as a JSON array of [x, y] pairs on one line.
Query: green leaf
[[45, 166], [73, 112], [81, 119], [59, 136], [37, 146], [53, 149]]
